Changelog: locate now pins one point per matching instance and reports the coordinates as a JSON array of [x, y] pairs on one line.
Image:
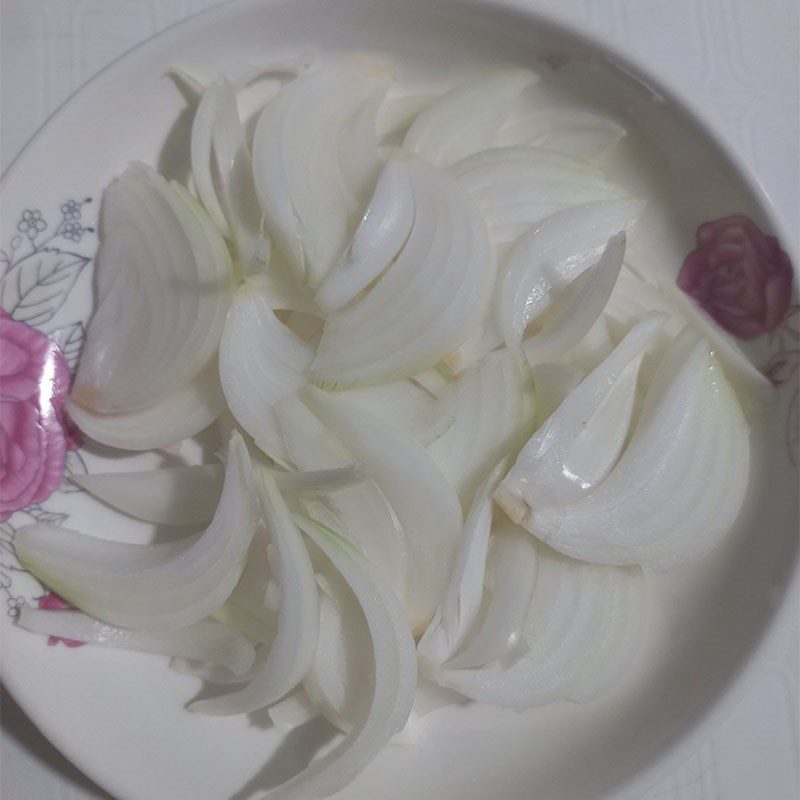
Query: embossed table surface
[[736, 60]]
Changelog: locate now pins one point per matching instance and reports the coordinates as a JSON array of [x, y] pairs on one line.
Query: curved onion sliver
[[207, 640], [426, 303], [187, 411], [164, 282], [151, 587], [426, 506], [466, 119], [579, 614], [292, 650], [261, 362], [552, 254], [300, 179]]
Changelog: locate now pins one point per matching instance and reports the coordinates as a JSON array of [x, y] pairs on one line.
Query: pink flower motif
[[35, 433], [52, 602], [741, 277]]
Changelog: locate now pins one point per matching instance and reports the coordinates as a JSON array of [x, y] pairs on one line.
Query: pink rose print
[[52, 602], [35, 433], [741, 277]]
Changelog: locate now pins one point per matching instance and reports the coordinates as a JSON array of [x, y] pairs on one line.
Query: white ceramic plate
[[120, 716]]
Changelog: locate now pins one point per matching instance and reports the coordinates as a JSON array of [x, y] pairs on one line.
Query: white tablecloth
[[737, 60]]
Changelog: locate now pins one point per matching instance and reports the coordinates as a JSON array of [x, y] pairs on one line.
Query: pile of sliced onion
[[455, 425]]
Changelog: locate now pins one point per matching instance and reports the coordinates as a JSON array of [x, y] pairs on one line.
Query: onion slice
[[300, 179], [492, 409], [551, 255], [462, 598], [395, 671], [164, 283], [426, 303], [207, 640], [579, 443], [292, 650], [189, 495], [152, 587], [578, 307], [580, 614], [465, 119], [381, 235], [679, 485], [260, 363], [514, 562], [187, 411], [426, 506]]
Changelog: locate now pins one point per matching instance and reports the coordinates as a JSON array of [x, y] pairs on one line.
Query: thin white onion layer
[[426, 303], [579, 443], [292, 650], [154, 587], [492, 407], [551, 255], [395, 671], [579, 614], [466, 119], [187, 411], [462, 598], [300, 179], [207, 640], [514, 562], [164, 282], [678, 487], [426, 505], [261, 362]]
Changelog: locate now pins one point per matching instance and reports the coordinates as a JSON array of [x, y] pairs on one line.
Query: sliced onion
[[573, 131], [294, 710], [462, 598], [395, 671], [164, 283], [492, 408], [187, 411], [425, 305], [514, 563], [299, 177], [154, 587], [189, 495], [578, 307], [466, 119], [342, 665], [361, 513], [426, 506], [578, 445], [207, 640], [551, 255], [379, 238], [397, 113], [679, 485], [516, 187], [576, 612], [260, 362], [292, 650], [404, 406]]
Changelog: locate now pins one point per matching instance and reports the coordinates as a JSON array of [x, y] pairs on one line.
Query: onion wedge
[[156, 587], [426, 303], [292, 650], [551, 255], [207, 640], [260, 362], [466, 119], [187, 411], [579, 614], [164, 283], [426, 506], [395, 671]]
